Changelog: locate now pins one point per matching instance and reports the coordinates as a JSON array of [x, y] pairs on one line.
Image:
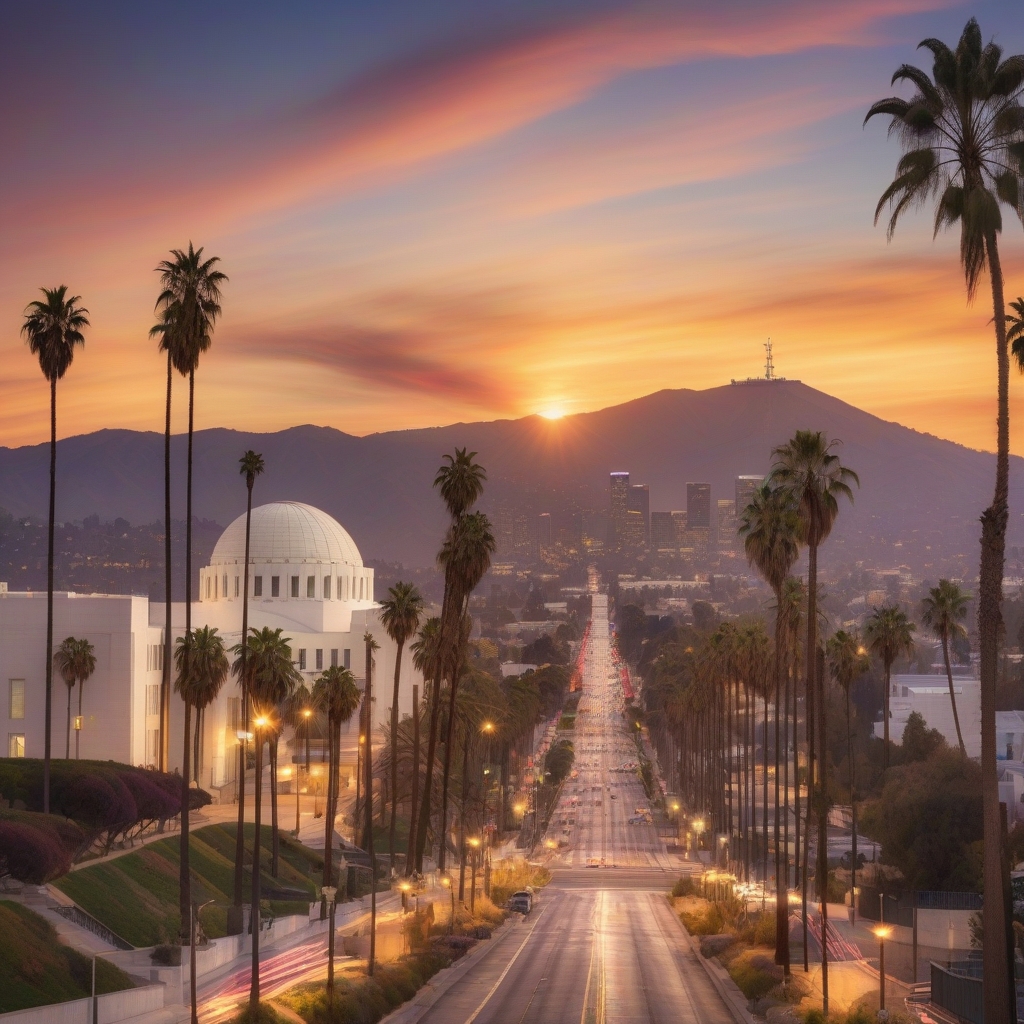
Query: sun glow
[[553, 414]]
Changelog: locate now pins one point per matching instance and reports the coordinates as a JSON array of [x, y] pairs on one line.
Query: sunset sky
[[437, 211]]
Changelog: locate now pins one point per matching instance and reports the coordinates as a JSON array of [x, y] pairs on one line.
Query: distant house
[[928, 695]]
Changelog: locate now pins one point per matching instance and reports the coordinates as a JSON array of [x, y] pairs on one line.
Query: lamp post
[[446, 881], [296, 784], [329, 892], [307, 714], [405, 887], [698, 828], [882, 932], [474, 843], [191, 959]]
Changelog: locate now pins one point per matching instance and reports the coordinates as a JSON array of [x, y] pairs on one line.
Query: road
[[602, 945]]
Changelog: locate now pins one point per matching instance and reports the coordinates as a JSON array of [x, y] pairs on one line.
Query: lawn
[[36, 968], [136, 895]]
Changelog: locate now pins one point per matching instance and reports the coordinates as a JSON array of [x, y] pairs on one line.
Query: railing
[[876, 906], [87, 921], [958, 993]]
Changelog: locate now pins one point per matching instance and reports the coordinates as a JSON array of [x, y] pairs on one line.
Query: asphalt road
[[602, 945]]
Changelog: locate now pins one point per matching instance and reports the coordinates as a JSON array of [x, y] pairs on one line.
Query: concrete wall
[[112, 1008]]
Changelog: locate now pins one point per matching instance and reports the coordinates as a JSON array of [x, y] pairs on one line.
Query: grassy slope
[[136, 895], [36, 968]]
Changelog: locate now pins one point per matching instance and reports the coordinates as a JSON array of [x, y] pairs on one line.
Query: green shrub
[[764, 930], [755, 975], [706, 921], [263, 1014]]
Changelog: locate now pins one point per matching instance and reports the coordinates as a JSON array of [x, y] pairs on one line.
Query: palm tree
[[65, 662], [53, 327], [299, 711], [426, 657], [847, 659], [202, 667], [188, 307], [963, 138], [769, 526], [251, 465], [889, 635], [400, 616], [85, 665], [335, 694], [371, 646], [943, 611], [460, 483], [808, 467]]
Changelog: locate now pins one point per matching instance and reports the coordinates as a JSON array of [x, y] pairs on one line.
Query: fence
[[874, 905], [78, 916], [111, 1008], [958, 993]]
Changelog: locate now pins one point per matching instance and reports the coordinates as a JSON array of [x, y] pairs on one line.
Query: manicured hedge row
[[37, 848]]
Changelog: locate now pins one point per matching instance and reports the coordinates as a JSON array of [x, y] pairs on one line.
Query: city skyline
[[413, 239]]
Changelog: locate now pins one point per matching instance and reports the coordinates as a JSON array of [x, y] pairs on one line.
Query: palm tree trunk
[[394, 755], [764, 794], [853, 804], [462, 816], [952, 696], [453, 687], [809, 731], [188, 507], [254, 914], [795, 709], [781, 894], [67, 738], [197, 743], [999, 989], [49, 598], [184, 878], [885, 714], [275, 834], [822, 815], [163, 755], [78, 732], [328, 816], [428, 771], [242, 759], [369, 809], [410, 846]]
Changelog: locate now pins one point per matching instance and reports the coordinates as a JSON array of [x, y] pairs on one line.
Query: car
[[521, 902]]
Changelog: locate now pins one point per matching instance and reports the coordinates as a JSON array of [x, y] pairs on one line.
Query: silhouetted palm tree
[[889, 635], [943, 611], [769, 526], [64, 661], [808, 466], [400, 616], [202, 667], [963, 140], [426, 655], [251, 465], [53, 328]]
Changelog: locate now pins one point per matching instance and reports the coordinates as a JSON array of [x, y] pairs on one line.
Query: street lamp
[[882, 932], [191, 957], [405, 887], [474, 845], [446, 881], [329, 892], [307, 714]]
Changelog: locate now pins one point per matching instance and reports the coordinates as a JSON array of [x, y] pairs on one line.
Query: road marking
[[508, 967]]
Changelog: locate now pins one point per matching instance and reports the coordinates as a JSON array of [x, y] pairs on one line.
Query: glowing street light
[[881, 932]]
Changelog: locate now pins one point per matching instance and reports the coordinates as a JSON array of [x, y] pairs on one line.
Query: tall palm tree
[[85, 665], [250, 465], [943, 611], [202, 667], [847, 659], [963, 139], [460, 483], [889, 635], [336, 695], [769, 526], [65, 662], [426, 657], [53, 328], [188, 308], [400, 615], [468, 550], [808, 466], [300, 712], [268, 671], [371, 646]]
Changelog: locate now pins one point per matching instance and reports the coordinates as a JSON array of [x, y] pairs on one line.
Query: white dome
[[287, 531]]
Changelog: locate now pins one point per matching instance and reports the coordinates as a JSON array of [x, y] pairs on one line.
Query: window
[[327, 588], [302, 658], [345, 581], [348, 658], [234, 714], [152, 747], [257, 586], [16, 744], [153, 699], [295, 586], [334, 657], [310, 586], [154, 657], [208, 586], [17, 704], [319, 659], [236, 586], [360, 588], [275, 586]]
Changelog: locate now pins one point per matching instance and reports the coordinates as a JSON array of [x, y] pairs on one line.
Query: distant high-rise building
[[503, 530], [619, 503], [727, 524], [745, 487], [664, 533], [639, 500], [679, 518], [634, 532], [544, 529], [698, 506]]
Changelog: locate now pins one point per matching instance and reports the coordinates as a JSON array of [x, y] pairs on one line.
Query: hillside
[[914, 487]]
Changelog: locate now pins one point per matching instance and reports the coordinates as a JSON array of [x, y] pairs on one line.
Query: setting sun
[[553, 414]]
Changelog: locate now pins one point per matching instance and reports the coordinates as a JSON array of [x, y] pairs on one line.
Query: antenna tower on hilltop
[[769, 366]]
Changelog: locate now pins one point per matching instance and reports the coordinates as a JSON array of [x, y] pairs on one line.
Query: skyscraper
[[698, 506], [727, 535], [619, 506], [664, 534], [639, 500], [544, 529], [745, 487]]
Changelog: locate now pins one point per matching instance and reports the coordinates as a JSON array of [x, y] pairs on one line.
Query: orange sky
[[428, 216]]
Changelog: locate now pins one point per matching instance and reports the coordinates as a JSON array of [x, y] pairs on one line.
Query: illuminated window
[[16, 744], [17, 703]]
